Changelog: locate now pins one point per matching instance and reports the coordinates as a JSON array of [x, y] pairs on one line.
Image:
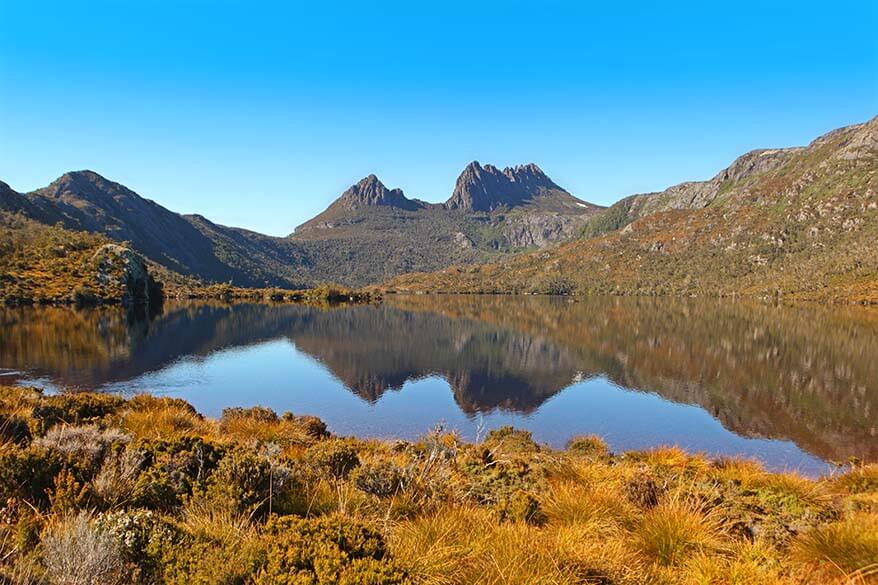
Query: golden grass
[[675, 529], [164, 418], [846, 549]]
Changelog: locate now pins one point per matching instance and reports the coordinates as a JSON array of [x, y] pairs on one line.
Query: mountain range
[[366, 236], [797, 223], [800, 222]]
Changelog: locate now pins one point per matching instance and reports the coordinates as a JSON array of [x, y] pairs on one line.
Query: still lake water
[[794, 387]]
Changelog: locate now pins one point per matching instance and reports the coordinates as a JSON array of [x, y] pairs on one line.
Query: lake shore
[[146, 490]]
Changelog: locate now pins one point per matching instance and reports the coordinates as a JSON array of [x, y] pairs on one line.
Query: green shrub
[[327, 550], [74, 409], [334, 458], [249, 483], [172, 469], [587, 446], [28, 474], [143, 538], [507, 439]]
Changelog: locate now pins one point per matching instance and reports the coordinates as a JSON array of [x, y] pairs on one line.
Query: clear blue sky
[[259, 114]]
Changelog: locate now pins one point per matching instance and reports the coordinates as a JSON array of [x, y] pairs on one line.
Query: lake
[[795, 387]]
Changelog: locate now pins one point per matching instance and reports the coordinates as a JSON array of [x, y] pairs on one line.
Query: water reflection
[[799, 374]]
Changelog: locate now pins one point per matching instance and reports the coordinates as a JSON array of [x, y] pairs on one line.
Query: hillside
[[368, 235], [800, 223], [50, 264]]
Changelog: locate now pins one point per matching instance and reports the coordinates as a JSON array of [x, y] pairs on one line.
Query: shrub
[[28, 473], [383, 479], [587, 446], [509, 440], [521, 507], [172, 469], [76, 552], [335, 458], [74, 409], [331, 549], [83, 447], [14, 429], [249, 483], [68, 495], [142, 537]]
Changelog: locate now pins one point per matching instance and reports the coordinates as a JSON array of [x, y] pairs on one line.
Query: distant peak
[[370, 191], [483, 188]]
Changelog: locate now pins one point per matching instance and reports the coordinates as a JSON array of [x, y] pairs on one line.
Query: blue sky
[[259, 114]]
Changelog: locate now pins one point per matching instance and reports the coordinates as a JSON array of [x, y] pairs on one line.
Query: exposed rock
[[526, 231], [486, 188], [371, 191], [122, 266]]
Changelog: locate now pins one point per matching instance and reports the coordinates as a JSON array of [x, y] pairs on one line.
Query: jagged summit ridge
[[486, 188]]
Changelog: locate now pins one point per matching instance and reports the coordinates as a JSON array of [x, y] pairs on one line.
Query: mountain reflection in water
[[804, 375]]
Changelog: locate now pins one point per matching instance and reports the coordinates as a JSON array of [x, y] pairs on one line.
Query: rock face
[[539, 231], [370, 191], [487, 188], [121, 266]]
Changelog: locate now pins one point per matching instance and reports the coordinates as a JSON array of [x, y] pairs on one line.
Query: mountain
[[488, 188], [372, 233], [799, 223], [368, 235]]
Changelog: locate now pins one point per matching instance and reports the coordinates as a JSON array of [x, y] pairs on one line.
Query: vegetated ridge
[[797, 223]]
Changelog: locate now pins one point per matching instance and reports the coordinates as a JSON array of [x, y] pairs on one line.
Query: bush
[[74, 409], [248, 483], [76, 552], [335, 458], [587, 446], [14, 429], [510, 440], [142, 537], [82, 447], [521, 507], [382, 479], [326, 550], [172, 469], [28, 474]]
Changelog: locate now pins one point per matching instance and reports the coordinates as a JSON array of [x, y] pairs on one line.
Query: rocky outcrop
[[123, 267], [486, 188], [370, 191], [539, 231]]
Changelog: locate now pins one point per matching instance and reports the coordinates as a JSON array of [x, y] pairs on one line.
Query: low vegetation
[[100, 489], [52, 265]]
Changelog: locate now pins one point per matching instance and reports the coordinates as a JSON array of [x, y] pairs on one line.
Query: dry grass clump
[[845, 549], [675, 529], [163, 418]]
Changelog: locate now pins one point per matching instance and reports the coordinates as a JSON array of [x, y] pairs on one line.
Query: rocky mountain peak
[[485, 188], [370, 191], [87, 185]]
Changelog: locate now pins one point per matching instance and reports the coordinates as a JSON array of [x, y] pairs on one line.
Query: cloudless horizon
[[259, 115]]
